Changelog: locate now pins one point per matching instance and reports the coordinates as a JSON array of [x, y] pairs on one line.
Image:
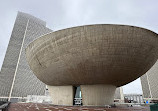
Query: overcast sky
[[60, 14]]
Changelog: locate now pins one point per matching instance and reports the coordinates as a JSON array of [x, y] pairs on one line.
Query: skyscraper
[[149, 83], [16, 78]]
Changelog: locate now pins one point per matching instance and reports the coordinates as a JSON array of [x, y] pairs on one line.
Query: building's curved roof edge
[[91, 25], [99, 24]]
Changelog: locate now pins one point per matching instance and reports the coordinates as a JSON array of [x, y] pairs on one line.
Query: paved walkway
[[47, 107]]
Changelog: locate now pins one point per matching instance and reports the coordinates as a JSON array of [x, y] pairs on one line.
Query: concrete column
[[61, 95], [97, 95]]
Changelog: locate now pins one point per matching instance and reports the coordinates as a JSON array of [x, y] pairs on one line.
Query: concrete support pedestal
[[97, 95], [61, 95]]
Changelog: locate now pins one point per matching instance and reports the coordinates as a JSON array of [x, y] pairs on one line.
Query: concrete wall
[[97, 95], [61, 95]]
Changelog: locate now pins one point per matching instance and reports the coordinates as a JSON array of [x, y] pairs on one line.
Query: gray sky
[[61, 14]]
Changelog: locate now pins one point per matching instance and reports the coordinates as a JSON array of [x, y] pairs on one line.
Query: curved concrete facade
[[94, 54]]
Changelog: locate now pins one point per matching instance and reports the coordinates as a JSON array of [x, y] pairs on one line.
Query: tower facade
[[149, 83], [16, 79], [119, 96]]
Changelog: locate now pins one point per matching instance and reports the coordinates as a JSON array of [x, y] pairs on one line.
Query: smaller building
[[133, 98], [38, 99]]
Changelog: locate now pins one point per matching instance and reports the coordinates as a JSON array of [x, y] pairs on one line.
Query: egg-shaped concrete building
[[99, 58]]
